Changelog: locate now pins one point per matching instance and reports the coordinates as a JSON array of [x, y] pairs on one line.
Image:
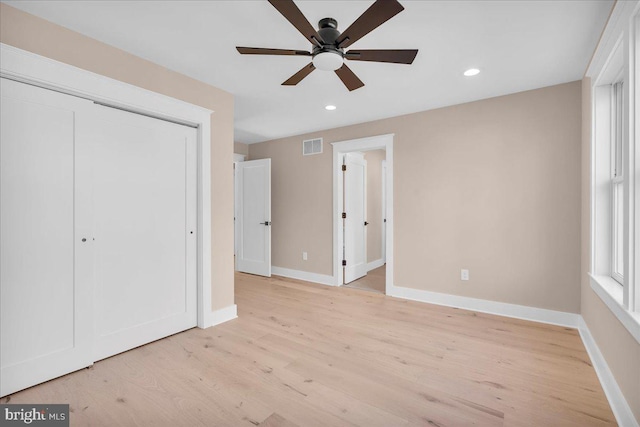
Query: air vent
[[311, 146]]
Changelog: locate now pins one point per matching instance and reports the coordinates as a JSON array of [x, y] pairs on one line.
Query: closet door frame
[[20, 65]]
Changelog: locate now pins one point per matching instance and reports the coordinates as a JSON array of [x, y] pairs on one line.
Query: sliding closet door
[[144, 208], [45, 256]]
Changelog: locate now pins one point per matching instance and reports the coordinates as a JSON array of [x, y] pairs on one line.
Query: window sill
[[610, 292]]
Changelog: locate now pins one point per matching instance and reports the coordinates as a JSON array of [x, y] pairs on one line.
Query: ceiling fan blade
[[297, 77], [290, 11], [379, 13], [396, 56], [266, 51], [350, 80]]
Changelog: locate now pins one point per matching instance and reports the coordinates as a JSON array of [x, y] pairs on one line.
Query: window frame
[[616, 59], [617, 145]]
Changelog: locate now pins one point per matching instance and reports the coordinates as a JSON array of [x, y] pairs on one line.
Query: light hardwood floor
[[310, 355], [374, 281]]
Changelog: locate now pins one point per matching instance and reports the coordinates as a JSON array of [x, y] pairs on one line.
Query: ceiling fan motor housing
[[328, 30], [328, 57]]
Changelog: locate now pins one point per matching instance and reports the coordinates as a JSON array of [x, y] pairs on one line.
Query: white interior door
[[254, 217], [384, 211], [236, 159], [355, 206], [236, 231], [144, 199], [45, 266]]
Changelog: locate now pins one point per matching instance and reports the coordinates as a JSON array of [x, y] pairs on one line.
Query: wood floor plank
[[374, 281], [302, 354], [276, 420]]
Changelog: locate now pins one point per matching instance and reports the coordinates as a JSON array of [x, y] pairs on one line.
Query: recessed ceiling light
[[471, 72], [330, 107]]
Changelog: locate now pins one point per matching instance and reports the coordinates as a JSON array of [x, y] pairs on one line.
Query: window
[[617, 182], [609, 173], [615, 162]]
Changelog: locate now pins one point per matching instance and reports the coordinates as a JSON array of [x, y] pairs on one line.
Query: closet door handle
[[266, 223]]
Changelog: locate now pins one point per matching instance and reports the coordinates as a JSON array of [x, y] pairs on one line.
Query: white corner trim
[[31, 68], [375, 264], [616, 399], [611, 294], [221, 315], [322, 279], [541, 315], [619, 20]]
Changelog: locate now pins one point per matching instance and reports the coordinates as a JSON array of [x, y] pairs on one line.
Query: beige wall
[[619, 348], [301, 204], [240, 148], [492, 186], [30, 33], [374, 160]]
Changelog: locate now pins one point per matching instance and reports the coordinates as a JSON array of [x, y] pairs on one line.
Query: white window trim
[[623, 28], [611, 293]]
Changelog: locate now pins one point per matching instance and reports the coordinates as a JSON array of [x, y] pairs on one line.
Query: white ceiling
[[518, 45]]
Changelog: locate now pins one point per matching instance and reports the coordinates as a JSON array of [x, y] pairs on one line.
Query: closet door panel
[[144, 173], [44, 305]]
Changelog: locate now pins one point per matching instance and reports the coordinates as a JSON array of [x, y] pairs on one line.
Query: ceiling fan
[[329, 44]]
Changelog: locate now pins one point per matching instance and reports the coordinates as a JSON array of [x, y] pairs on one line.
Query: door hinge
[[344, 168], [344, 215], [344, 262]]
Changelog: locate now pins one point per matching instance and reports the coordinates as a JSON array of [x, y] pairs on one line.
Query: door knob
[[266, 223], [366, 223]]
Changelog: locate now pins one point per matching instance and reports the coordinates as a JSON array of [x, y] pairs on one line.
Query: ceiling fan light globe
[[327, 61]]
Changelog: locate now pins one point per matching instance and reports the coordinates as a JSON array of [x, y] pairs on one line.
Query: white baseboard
[[375, 264], [323, 279], [616, 399], [222, 315], [542, 315]]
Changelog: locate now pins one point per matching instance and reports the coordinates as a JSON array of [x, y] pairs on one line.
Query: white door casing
[[254, 217], [45, 266], [355, 206], [20, 65], [145, 220], [87, 189], [28, 67], [384, 142]]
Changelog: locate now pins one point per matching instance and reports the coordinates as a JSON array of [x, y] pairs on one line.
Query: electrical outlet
[[304, 256], [464, 274]]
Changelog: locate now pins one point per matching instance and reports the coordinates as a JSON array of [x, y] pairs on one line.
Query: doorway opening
[[363, 217]]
